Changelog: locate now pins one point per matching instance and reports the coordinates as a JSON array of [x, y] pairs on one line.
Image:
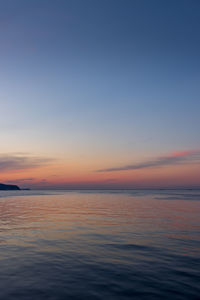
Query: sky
[[100, 94]]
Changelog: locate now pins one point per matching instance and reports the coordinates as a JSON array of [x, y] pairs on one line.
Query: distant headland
[[9, 187]]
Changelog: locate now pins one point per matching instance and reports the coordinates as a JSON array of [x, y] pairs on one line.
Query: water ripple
[[100, 245]]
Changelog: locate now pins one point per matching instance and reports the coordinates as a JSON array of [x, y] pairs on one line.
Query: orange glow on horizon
[[60, 175]]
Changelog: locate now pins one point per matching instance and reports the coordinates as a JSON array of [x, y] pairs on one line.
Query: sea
[[122, 244]]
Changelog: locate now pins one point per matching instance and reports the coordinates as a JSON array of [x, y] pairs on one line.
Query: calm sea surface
[[100, 245]]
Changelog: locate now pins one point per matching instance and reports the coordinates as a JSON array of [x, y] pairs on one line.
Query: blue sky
[[99, 78]]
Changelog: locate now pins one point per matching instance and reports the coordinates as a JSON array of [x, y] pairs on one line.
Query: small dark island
[[9, 187]]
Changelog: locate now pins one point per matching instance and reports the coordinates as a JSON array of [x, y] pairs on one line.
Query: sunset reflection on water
[[123, 240]]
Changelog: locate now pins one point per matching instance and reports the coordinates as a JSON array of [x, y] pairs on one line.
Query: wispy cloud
[[21, 180], [21, 161], [172, 159]]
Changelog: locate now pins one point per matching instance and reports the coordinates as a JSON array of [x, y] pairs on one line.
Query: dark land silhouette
[[8, 187]]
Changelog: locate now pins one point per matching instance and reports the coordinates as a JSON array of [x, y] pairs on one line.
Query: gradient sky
[[100, 94]]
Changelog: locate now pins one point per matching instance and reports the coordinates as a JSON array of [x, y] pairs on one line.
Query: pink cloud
[[178, 157]]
